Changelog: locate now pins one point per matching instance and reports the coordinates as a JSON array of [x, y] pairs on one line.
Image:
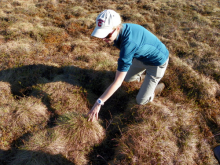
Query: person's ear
[[118, 27]]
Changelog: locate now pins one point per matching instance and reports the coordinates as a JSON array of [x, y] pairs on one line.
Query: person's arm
[[119, 78]]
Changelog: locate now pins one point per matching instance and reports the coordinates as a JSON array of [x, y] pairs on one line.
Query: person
[[140, 51], [217, 153]]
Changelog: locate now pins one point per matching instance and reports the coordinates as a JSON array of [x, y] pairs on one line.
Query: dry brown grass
[[52, 71], [19, 116], [163, 132], [73, 138], [64, 97]]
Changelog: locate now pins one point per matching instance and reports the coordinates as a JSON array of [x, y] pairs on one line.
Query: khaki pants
[[152, 78]]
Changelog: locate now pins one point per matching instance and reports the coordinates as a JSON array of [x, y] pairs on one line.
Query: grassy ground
[[52, 72]]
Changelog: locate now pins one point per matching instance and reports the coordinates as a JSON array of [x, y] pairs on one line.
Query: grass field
[[52, 71]]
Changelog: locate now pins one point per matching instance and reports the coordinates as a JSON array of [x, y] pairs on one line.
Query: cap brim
[[100, 32]]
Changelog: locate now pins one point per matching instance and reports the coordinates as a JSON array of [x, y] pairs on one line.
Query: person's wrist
[[100, 102]]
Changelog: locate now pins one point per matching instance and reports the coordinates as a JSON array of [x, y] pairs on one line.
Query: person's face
[[111, 36]]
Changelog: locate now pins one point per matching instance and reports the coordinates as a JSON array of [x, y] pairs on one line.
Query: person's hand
[[94, 112]]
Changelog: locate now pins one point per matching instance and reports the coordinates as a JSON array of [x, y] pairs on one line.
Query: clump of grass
[[162, 133], [24, 157], [30, 112], [103, 61], [37, 151], [72, 138], [131, 17], [2, 14], [83, 47], [76, 27], [22, 116], [19, 47], [19, 28], [27, 8], [64, 97], [5, 92], [199, 86], [148, 142], [50, 34], [195, 87], [66, 47], [77, 11], [52, 4], [79, 135], [26, 51], [86, 22]]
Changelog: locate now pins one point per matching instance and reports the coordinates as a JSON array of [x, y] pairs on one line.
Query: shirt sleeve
[[127, 51]]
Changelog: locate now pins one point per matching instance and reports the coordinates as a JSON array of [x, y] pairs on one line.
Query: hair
[[121, 26]]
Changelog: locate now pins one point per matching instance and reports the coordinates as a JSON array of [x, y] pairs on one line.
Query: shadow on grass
[[23, 157], [23, 81]]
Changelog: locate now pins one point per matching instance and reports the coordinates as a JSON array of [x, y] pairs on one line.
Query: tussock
[[103, 61], [65, 97], [24, 157], [31, 111], [27, 7], [79, 135], [5, 92], [73, 138], [52, 34], [140, 144], [87, 22], [206, 86], [20, 28], [2, 14], [18, 117], [16, 18], [19, 47], [163, 133], [77, 11], [54, 3], [23, 48]]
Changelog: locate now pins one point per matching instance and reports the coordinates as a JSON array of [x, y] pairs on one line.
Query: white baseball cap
[[105, 22]]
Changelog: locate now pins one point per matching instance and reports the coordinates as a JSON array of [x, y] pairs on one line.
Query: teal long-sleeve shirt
[[134, 41]]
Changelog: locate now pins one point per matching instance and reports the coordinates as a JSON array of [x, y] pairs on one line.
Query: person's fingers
[[93, 116], [97, 116], [89, 113], [90, 116]]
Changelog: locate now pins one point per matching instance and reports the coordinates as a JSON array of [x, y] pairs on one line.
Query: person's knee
[[129, 79], [141, 102], [144, 101], [126, 79]]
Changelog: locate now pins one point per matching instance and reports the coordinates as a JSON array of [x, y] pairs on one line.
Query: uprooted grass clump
[[52, 71]]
